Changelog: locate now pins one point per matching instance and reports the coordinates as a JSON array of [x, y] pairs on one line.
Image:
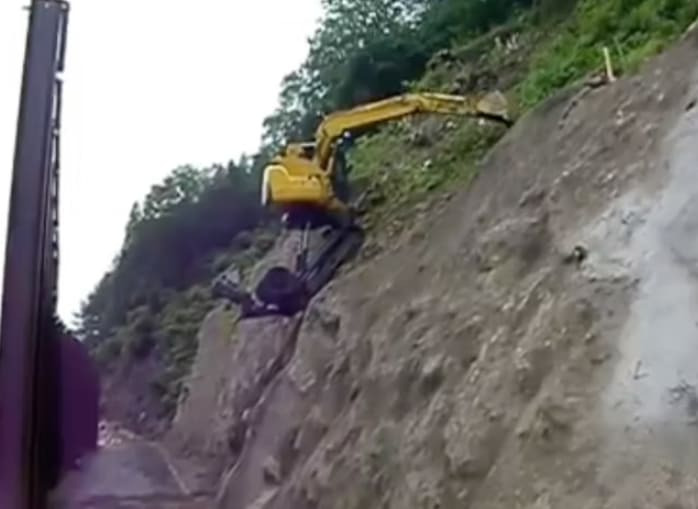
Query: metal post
[[28, 303]]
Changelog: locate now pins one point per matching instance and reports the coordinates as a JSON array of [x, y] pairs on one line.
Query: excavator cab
[[305, 150], [293, 182]]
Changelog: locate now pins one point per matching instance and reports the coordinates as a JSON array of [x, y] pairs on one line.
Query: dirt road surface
[[127, 472]]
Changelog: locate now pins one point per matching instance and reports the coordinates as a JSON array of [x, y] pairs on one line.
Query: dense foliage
[[171, 240]]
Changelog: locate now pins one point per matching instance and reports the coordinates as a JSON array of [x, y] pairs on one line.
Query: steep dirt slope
[[484, 361]]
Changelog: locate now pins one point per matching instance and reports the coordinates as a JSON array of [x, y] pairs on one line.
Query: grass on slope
[[548, 54], [401, 171], [632, 30]]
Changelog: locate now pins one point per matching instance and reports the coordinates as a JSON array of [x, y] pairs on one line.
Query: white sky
[[148, 86]]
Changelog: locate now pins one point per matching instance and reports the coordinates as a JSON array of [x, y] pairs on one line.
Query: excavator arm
[[302, 179], [492, 106]]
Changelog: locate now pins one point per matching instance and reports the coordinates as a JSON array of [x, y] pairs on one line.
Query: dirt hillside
[[527, 343]]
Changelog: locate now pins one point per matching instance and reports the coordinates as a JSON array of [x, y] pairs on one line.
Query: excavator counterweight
[[308, 183]]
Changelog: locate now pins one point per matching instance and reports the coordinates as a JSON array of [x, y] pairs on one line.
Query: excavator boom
[[492, 105]]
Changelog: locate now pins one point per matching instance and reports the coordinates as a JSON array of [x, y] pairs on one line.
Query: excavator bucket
[[285, 292], [283, 289], [496, 106], [280, 292]]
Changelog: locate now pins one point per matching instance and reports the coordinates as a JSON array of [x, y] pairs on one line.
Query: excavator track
[[339, 249], [290, 292]]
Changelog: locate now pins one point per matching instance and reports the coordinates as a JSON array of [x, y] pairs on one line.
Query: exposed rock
[[272, 470]]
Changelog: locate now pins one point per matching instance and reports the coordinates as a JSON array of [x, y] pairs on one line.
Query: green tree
[[362, 50], [182, 223]]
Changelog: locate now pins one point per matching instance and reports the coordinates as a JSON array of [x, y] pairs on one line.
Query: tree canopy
[[171, 237], [365, 50]]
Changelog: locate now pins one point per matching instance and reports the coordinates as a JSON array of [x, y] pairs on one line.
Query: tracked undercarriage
[[287, 291]]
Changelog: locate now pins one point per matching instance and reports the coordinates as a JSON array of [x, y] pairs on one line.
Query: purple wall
[[79, 392]]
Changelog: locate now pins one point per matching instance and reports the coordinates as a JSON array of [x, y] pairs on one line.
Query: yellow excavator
[[308, 183]]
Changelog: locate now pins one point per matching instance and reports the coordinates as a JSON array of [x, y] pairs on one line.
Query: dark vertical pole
[[28, 303]]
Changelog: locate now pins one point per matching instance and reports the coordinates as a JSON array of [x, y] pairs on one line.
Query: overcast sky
[[148, 86]]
